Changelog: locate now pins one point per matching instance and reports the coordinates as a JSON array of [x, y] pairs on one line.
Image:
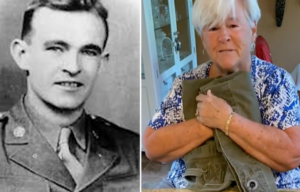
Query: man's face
[[63, 56]]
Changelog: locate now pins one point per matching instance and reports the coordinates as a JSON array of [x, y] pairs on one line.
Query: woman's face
[[228, 44]]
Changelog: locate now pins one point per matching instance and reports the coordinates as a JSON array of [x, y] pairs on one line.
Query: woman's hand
[[212, 111]]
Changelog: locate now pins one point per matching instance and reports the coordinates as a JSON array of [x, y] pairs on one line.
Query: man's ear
[[105, 56], [18, 50], [103, 62]]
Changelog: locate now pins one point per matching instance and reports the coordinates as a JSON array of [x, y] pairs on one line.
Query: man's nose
[[224, 35], [71, 64]]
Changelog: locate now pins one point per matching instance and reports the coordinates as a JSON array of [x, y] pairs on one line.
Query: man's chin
[[66, 107]]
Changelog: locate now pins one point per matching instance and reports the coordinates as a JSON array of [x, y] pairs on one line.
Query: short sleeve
[[170, 111], [280, 104]]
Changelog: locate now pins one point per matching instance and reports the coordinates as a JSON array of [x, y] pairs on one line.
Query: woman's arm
[[274, 147], [279, 149], [168, 136], [174, 141]]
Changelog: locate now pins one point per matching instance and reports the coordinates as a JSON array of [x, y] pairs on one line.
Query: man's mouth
[[71, 84]]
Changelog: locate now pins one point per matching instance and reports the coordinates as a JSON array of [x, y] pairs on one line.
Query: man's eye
[[55, 49], [90, 53]]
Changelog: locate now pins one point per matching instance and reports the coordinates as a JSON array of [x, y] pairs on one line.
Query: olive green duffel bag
[[220, 164]]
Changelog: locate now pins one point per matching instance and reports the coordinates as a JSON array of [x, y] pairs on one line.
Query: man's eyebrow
[[56, 42], [94, 47]]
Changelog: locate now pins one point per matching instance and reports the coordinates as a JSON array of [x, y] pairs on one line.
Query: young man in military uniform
[[48, 142]]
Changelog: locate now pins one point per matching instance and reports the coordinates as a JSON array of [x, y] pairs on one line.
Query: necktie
[[70, 161]]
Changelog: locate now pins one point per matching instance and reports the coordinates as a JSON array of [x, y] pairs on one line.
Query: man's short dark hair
[[64, 5]]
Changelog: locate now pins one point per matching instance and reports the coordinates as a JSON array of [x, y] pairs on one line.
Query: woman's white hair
[[213, 12]]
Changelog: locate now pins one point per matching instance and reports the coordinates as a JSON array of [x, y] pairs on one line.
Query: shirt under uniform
[[51, 132], [278, 104]]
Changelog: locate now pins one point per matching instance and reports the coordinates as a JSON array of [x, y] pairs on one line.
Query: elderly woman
[[228, 31]]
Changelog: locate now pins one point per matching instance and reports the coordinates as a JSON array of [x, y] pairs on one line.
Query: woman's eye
[[213, 29]]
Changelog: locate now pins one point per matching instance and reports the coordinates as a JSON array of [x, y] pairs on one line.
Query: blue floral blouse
[[279, 107]]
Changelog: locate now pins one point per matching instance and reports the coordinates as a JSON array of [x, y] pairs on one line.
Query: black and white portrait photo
[[69, 95]]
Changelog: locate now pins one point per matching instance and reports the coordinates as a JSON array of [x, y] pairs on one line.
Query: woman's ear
[[203, 42], [254, 32], [18, 50]]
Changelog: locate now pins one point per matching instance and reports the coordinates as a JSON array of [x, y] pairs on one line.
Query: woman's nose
[[224, 35]]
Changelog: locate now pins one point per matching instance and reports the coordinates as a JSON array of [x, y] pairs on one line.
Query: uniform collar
[[107, 156], [51, 131]]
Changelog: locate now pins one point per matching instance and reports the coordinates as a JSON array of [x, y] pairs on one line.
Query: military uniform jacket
[[29, 164]]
